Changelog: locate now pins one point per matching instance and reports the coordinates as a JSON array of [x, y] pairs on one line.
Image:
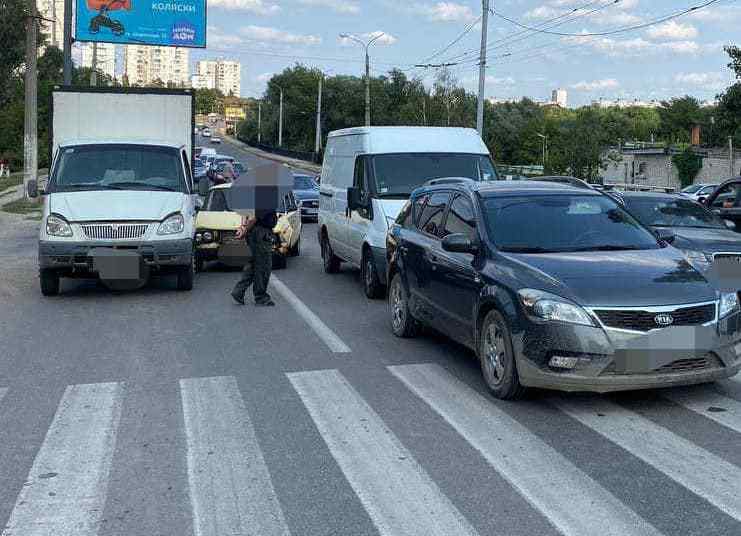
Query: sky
[[673, 58]]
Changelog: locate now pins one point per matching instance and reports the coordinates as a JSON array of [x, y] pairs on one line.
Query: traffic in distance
[[553, 283]]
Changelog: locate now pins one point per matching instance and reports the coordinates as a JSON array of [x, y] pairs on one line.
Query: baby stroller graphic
[[102, 18]]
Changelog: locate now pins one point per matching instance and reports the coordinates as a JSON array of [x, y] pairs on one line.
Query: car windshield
[[692, 188], [118, 167], [304, 182], [673, 212], [400, 174], [563, 223]]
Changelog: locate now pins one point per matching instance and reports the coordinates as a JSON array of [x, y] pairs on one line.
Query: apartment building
[[147, 65], [105, 57], [224, 75]]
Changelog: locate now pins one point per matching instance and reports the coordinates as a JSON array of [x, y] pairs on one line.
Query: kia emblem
[[664, 320]]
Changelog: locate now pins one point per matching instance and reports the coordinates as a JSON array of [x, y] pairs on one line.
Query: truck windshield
[[399, 174], [118, 167]]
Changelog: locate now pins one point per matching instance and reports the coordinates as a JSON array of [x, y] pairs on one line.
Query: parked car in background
[[556, 287], [217, 225], [691, 227], [206, 133], [215, 139], [368, 174], [725, 201], [306, 191], [698, 191]]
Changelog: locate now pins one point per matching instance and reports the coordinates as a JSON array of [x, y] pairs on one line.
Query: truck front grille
[[114, 231]]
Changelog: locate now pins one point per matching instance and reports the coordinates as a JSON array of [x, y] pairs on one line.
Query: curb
[[299, 164]]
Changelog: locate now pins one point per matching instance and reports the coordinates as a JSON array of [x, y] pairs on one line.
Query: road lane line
[[401, 499], [700, 471], [330, 338], [67, 486], [709, 404], [567, 497], [230, 486]]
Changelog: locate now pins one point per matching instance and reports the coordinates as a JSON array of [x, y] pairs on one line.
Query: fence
[[298, 155]]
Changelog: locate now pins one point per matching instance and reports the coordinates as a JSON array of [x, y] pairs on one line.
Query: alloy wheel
[[398, 308], [495, 354]]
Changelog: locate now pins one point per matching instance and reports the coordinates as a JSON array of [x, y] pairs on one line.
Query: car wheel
[[403, 324], [331, 261], [49, 280], [186, 275], [371, 282], [296, 250], [498, 364]]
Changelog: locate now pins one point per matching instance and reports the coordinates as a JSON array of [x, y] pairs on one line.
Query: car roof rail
[[564, 179], [448, 180]]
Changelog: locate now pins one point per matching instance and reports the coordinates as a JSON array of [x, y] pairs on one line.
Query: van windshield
[[118, 167], [400, 174]]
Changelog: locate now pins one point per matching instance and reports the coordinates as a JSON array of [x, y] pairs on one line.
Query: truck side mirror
[[32, 189]]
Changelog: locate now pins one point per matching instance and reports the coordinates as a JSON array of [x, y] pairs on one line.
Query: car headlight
[[698, 259], [208, 236], [172, 225], [728, 304], [551, 307], [57, 226]]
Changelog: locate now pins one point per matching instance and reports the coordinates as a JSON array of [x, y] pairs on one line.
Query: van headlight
[[728, 304], [172, 225], [548, 306], [57, 226]]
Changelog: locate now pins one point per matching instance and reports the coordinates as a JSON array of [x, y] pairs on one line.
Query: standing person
[[258, 231]]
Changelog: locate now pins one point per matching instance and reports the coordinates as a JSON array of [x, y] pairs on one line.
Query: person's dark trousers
[[257, 270]]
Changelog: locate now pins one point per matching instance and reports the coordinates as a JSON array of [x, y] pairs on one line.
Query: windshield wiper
[[525, 249], [125, 185]]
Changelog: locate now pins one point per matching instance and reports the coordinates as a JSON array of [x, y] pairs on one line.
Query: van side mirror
[[32, 189], [203, 186], [355, 199], [460, 243]]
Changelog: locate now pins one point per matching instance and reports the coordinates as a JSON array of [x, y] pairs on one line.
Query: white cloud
[[711, 81], [258, 7], [448, 12], [566, 10], [672, 30], [340, 6], [639, 46], [264, 78], [494, 81], [717, 14], [595, 85], [273, 35]]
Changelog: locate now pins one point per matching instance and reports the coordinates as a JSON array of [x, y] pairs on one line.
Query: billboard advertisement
[[180, 23]]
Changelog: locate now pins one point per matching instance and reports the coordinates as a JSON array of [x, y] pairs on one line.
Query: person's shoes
[[237, 298], [268, 303]]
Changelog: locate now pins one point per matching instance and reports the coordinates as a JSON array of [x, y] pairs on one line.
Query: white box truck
[[120, 203]]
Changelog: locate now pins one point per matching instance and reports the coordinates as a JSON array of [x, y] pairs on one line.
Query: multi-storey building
[[52, 10], [224, 75], [105, 57], [147, 65]]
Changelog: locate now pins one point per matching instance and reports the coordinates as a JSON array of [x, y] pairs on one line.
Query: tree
[[208, 101], [12, 45], [677, 117], [734, 53], [688, 165]]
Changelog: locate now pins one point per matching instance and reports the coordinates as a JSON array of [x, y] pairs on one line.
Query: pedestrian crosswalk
[[232, 492]]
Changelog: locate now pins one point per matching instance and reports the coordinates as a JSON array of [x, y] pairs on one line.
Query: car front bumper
[[610, 362], [76, 256]]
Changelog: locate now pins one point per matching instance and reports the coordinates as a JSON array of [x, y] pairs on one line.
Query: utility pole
[[544, 137], [30, 139], [366, 46], [730, 157], [94, 65], [318, 140], [280, 120], [67, 45], [482, 68], [259, 121]]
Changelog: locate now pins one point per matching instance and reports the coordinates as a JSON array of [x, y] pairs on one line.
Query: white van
[[368, 175]]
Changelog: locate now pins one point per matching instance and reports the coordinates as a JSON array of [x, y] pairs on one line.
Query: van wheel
[[331, 261], [403, 323], [371, 282], [49, 280], [497, 357], [186, 275]]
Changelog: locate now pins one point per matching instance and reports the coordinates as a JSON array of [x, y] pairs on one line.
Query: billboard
[[180, 23]]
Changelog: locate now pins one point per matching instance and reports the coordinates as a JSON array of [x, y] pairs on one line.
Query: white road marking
[[572, 501], [401, 499], [230, 486], [330, 338], [710, 404], [702, 472], [68, 483]]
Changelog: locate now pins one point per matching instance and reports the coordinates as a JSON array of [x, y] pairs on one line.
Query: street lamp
[[365, 45], [544, 137], [280, 117]]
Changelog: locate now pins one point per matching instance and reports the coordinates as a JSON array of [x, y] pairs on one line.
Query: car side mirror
[[460, 243], [32, 188], [730, 224], [702, 200], [666, 235], [203, 186]]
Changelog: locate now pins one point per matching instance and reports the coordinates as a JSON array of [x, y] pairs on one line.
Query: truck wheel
[[331, 261], [186, 275], [49, 280], [279, 262], [497, 357], [368, 273]]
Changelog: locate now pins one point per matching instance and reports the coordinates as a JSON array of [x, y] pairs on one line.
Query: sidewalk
[[294, 163]]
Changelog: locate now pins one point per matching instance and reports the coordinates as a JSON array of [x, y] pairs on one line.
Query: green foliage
[[209, 101], [12, 45], [677, 117], [688, 165]]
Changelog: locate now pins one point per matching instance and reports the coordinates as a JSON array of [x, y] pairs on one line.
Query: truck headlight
[[57, 226], [728, 304], [551, 307], [172, 225]]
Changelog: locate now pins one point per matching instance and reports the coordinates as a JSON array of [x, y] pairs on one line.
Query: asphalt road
[[158, 412]]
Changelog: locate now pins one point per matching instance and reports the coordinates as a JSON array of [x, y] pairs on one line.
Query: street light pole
[[280, 120], [482, 68], [366, 46], [318, 139], [30, 139], [67, 42], [544, 137]]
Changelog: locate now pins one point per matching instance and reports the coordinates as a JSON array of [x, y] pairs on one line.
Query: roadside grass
[[8, 182], [22, 206]]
